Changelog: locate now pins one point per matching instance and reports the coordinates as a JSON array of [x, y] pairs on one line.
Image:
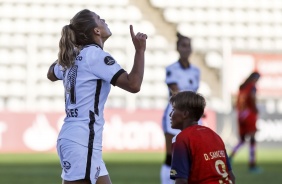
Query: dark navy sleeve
[[180, 165], [228, 162]]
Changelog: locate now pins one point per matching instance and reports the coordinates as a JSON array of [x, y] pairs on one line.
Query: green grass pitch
[[130, 168]]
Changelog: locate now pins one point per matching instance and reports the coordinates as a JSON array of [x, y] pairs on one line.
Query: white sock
[[165, 175]]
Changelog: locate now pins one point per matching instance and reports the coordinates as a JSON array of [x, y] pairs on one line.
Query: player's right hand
[[139, 40]]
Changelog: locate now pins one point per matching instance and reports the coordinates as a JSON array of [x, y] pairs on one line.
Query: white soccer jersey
[[87, 85], [186, 79]]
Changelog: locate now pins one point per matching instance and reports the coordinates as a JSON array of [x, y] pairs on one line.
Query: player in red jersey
[[198, 153], [247, 117]]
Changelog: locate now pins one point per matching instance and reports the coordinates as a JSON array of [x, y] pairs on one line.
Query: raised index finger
[[131, 31]]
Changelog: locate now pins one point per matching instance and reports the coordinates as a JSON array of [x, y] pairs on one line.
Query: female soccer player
[[88, 72], [247, 113], [181, 75], [198, 153]]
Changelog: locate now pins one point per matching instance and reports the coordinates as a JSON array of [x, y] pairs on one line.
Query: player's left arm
[[230, 172], [173, 88], [180, 164], [51, 74], [232, 176], [253, 101]]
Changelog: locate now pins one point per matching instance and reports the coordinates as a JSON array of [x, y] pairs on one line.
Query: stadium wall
[[125, 131], [138, 130]]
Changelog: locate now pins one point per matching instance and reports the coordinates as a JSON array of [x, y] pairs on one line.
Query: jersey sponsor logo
[[109, 60], [66, 166], [168, 73], [173, 172]]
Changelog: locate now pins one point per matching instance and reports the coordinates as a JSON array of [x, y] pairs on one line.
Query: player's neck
[[184, 63], [188, 124], [99, 41]]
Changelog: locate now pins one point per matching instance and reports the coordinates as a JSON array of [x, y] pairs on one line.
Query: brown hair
[[253, 76], [74, 36], [190, 101]]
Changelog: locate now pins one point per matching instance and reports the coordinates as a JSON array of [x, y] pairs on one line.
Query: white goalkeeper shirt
[[87, 85], [186, 79]]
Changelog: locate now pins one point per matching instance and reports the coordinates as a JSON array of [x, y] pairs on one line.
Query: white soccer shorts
[[78, 162]]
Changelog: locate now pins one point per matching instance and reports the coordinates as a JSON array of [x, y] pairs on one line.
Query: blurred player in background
[[198, 153], [247, 113], [88, 72], [181, 75]]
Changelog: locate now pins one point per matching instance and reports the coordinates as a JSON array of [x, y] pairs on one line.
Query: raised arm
[[132, 82], [50, 74]]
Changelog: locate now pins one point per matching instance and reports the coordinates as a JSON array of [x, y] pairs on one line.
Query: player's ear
[[96, 31], [185, 114]]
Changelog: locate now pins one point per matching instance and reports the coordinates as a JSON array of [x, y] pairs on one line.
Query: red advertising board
[[138, 130]]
